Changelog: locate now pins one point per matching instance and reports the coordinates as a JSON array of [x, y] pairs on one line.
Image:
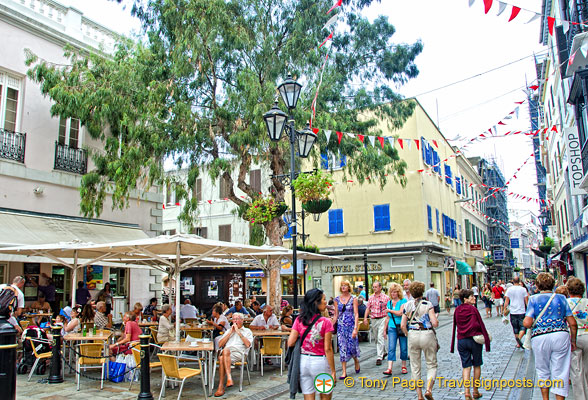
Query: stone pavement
[[503, 362]]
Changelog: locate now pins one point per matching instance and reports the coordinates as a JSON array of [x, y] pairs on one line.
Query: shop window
[[381, 218], [335, 221]]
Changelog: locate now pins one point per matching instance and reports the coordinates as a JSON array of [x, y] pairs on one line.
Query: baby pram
[[28, 360]]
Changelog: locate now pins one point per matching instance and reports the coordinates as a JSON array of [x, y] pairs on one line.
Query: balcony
[[70, 159], [12, 145]]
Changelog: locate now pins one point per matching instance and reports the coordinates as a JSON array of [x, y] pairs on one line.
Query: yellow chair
[[195, 333], [90, 357], [272, 348], [88, 325], [172, 372], [154, 335], [190, 320], [38, 356], [24, 324], [137, 355]]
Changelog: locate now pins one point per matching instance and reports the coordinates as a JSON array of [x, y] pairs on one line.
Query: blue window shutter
[[453, 229], [382, 217], [340, 221], [424, 149], [324, 160], [343, 159], [458, 185], [386, 216], [332, 222], [429, 218], [429, 154], [444, 224], [288, 234], [377, 218], [437, 218]]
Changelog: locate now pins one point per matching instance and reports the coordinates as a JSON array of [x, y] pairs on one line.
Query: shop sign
[[432, 263], [335, 269], [574, 150], [475, 247]]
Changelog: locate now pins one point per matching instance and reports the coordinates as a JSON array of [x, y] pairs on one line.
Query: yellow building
[[411, 233]]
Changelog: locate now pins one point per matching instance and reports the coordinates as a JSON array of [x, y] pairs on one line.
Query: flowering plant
[[313, 186], [264, 209]]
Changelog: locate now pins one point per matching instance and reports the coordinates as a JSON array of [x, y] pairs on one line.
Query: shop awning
[[463, 268], [22, 229], [480, 268]]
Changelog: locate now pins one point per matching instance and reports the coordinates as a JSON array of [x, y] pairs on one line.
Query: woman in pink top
[[316, 350], [131, 334]]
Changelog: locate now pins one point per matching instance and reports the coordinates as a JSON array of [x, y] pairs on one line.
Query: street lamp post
[[543, 220], [276, 121]]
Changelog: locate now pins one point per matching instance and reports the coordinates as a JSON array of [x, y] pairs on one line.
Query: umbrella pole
[[74, 282], [177, 278]]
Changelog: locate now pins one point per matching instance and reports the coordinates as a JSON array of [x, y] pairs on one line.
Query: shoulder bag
[[291, 349], [399, 332], [412, 318], [527, 343]]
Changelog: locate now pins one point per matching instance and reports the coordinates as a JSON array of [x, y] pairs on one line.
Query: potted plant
[[264, 209], [516, 269], [488, 261], [308, 249], [313, 191], [546, 245]]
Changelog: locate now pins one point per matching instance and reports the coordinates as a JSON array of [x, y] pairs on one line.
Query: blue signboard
[[511, 262], [514, 243], [498, 255]]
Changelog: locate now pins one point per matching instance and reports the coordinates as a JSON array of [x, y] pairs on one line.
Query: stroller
[[28, 360]]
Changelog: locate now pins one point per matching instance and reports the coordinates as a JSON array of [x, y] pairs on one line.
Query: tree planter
[[545, 249], [317, 206]]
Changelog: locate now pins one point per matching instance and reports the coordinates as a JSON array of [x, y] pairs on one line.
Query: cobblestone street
[[503, 362]]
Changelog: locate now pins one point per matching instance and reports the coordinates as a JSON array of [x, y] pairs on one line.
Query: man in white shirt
[[406, 286], [265, 321], [187, 310], [17, 284], [517, 298], [235, 341], [476, 293]]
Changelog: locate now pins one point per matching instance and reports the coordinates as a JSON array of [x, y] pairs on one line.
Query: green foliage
[[314, 186], [263, 210], [309, 249], [488, 261], [196, 89], [256, 235], [548, 242]]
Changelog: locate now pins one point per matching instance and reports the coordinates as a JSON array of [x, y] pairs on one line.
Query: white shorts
[[310, 367], [552, 353], [498, 302], [236, 356]]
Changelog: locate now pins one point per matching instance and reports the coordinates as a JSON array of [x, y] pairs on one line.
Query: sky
[[459, 42]]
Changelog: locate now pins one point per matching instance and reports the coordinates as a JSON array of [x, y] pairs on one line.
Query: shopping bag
[[130, 364], [116, 369]]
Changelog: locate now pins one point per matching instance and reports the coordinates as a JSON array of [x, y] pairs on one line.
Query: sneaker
[[379, 361]]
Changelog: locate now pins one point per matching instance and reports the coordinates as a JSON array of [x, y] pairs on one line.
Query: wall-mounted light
[[38, 190]]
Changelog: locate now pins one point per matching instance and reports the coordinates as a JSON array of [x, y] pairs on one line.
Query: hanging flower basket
[[281, 209], [317, 206], [545, 248], [264, 209]]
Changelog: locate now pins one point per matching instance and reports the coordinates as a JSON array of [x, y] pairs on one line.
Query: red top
[[468, 321], [133, 328], [497, 290]]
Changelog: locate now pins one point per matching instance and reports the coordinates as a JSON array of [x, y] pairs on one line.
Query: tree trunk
[[273, 231]]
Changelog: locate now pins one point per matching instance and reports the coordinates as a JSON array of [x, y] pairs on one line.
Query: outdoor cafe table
[[78, 337], [259, 334], [206, 347], [146, 324]]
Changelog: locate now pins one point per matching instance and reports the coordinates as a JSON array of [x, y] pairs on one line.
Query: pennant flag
[[550, 24], [391, 140], [501, 123], [554, 128], [315, 131], [381, 140], [435, 143], [360, 137], [513, 14], [326, 40], [517, 112], [534, 17], [501, 8], [401, 144], [337, 4], [209, 201], [409, 144], [418, 144], [339, 136], [487, 5], [494, 129], [351, 135], [472, 2], [372, 140], [328, 135], [331, 22], [584, 49], [571, 61], [534, 87], [519, 102], [566, 26]]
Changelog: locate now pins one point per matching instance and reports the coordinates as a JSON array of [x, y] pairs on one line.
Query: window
[[458, 185], [69, 132], [381, 218], [255, 180], [468, 233], [225, 187], [445, 229], [460, 236], [566, 215], [10, 87], [437, 218], [429, 218], [436, 162], [200, 231], [474, 234], [335, 221], [331, 160], [427, 152], [197, 190], [224, 233], [448, 175]]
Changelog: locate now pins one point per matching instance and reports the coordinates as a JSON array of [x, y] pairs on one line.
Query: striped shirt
[[377, 305]]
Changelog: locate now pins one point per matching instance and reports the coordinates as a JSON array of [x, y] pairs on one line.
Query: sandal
[[404, 370], [477, 394], [429, 395], [388, 372]]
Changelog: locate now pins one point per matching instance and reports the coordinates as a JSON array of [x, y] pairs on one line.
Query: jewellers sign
[[574, 150], [337, 269]]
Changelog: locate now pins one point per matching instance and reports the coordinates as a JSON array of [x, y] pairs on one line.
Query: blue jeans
[[392, 336]]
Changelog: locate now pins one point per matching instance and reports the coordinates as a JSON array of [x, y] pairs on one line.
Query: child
[[447, 303]]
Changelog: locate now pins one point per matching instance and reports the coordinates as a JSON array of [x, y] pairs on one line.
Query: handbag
[[480, 338], [527, 343], [399, 332], [290, 350]]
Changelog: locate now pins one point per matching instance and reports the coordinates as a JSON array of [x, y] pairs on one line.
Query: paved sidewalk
[[503, 362]]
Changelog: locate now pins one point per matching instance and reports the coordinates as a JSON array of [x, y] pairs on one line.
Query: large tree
[[196, 87]]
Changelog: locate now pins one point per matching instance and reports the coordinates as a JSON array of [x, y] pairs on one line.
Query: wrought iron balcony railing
[[70, 159], [12, 145]]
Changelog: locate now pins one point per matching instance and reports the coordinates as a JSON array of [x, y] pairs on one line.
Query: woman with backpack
[[316, 349]]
